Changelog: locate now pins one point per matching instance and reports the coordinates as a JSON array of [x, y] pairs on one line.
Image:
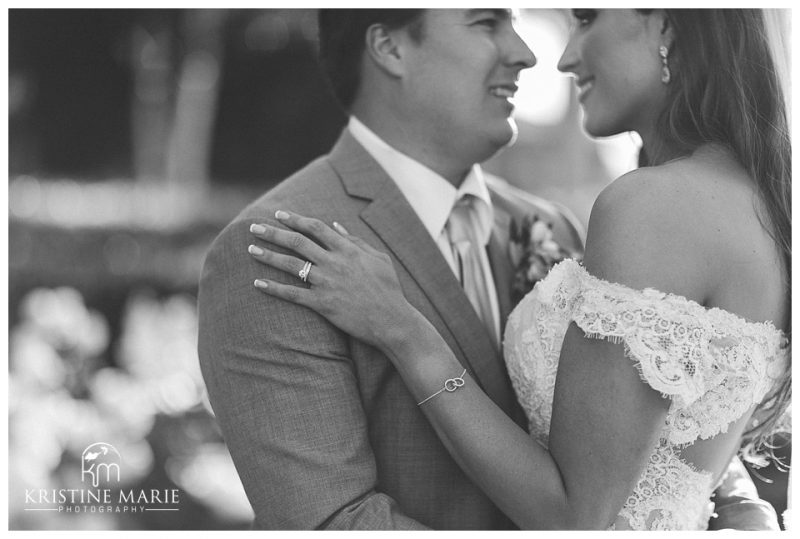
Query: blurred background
[[134, 137]]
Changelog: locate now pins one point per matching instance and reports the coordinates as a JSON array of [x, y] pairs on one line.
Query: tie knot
[[460, 224], [465, 229], [466, 201]]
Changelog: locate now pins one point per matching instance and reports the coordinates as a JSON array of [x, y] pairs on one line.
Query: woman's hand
[[351, 284]]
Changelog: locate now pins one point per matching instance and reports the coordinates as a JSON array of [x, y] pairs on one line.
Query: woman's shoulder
[[687, 183], [694, 195], [690, 227], [707, 164], [659, 226]]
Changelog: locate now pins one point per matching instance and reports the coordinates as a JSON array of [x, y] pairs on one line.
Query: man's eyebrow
[[500, 13]]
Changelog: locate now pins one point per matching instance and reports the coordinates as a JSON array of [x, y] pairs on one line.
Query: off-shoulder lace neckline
[[730, 316]]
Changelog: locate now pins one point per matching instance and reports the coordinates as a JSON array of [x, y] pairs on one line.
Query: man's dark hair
[[342, 35]]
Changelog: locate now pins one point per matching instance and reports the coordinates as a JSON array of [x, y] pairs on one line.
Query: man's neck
[[407, 140]]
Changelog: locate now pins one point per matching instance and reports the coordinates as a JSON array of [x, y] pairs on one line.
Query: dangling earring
[[665, 74]]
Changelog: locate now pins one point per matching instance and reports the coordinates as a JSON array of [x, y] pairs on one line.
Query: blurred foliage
[[103, 347], [98, 93], [71, 385]]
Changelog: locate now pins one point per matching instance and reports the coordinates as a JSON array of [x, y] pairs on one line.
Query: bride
[[646, 367]]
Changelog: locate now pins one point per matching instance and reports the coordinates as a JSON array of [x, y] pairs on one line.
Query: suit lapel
[[502, 273], [392, 219]]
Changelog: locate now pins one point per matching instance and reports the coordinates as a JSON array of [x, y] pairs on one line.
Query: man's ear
[[385, 48]]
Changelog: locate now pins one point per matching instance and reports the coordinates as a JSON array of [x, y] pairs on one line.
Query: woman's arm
[[605, 424]]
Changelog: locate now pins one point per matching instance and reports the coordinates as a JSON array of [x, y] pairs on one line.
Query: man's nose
[[519, 54]]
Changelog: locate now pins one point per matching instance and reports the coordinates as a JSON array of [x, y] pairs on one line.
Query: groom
[[320, 426]]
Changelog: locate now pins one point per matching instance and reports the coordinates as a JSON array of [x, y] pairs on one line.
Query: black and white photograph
[[444, 268]]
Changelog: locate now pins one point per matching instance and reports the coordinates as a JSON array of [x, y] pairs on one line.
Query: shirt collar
[[430, 195]]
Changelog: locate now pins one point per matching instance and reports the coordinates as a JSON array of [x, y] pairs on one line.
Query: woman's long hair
[[726, 89]]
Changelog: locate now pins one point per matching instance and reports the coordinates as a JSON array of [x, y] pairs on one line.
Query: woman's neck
[[658, 152]]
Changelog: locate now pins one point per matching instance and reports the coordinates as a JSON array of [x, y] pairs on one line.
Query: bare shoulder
[[665, 227], [674, 191]]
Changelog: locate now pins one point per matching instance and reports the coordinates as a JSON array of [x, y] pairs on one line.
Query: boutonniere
[[533, 252]]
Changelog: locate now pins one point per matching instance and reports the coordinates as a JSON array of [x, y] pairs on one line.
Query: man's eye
[[488, 22], [584, 17]]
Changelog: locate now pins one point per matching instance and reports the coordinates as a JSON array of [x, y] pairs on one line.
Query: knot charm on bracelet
[[450, 385]]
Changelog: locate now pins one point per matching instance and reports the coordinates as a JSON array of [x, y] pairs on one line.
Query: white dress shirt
[[432, 198]]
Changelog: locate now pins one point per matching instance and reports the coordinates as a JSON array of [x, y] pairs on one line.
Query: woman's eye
[[584, 17]]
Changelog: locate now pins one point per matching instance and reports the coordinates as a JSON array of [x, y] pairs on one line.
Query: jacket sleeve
[[285, 394], [737, 505]]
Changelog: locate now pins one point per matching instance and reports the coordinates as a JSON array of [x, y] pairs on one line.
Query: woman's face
[[614, 55]]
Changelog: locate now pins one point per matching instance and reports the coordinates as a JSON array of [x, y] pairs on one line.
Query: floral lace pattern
[[712, 364], [670, 495]]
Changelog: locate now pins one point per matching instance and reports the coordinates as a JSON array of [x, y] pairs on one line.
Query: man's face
[[461, 77]]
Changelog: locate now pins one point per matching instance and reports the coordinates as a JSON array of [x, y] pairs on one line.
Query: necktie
[[462, 233]]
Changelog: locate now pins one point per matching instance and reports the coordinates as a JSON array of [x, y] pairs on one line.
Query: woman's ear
[[667, 32], [385, 48]]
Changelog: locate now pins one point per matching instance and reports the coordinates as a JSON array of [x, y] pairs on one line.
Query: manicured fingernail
[[260, 283], [257, 229], [340, 228], [255, 250], [280, 214]]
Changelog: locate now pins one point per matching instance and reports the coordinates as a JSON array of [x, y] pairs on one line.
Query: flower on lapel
[[533, 252]]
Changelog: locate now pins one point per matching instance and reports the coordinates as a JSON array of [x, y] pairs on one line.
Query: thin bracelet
[[450, 385]]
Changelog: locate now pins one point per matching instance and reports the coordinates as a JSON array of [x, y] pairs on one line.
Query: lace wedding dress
[[712, 364]]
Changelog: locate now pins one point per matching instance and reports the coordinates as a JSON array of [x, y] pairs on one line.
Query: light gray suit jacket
[[321, 428]]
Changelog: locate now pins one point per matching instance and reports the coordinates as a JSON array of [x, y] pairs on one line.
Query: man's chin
[[507, 138], [512, 124]]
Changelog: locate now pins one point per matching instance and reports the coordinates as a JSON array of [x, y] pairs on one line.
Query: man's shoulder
[[308, 191], [513, 203], [310, 185]]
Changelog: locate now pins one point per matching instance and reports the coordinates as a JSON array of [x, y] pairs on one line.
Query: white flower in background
[[125, 400], [65, 321], [33, 360], [159, 348], [210, 477], [65, 394], [35, 431]]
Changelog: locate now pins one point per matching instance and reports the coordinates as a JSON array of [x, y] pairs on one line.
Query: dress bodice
[[712, 364]]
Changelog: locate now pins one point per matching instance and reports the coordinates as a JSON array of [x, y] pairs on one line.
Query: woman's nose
[[569, 58]]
